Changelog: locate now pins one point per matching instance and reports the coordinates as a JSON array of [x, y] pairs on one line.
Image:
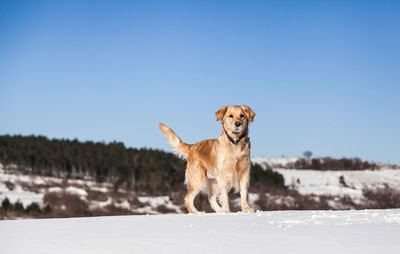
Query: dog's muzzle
[[236, 128]]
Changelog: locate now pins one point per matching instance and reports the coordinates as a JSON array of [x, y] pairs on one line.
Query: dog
[[215, 166]]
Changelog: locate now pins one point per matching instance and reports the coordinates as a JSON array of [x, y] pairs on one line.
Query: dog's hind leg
[[196, 182], [189, 198]]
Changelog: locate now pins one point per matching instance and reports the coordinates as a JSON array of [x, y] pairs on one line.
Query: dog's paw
[[247, 210]]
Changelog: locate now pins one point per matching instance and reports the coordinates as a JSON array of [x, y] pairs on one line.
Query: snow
[[99, 189], [54, 189], [154, 202], [100, 204], [124, 205], [365, 231], [76, 191], [26, 197], [38, 181], [19, 192], [6, 177], [327, 182]]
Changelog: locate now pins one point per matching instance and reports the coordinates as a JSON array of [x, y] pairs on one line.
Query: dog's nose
[[237, 123]]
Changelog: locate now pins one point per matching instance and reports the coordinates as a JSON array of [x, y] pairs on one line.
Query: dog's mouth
[[236, 129]]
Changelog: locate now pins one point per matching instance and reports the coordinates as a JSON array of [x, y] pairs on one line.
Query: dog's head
[[235, 119]]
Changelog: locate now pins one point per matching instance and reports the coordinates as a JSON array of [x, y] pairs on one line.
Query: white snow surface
[[327, 182], [365, 231], [77, 191], [100, 204], [155, 202], [18, 194]]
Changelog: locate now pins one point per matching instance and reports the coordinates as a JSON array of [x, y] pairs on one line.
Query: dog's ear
[[220, 113], [250, 113]]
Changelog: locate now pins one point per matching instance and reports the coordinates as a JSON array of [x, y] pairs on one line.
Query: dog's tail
[[181, 149]]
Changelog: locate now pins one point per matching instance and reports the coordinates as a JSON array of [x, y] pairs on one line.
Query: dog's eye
[[241, 115], [230, 116]]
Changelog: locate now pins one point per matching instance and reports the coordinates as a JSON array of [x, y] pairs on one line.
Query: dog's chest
[[242, 149]]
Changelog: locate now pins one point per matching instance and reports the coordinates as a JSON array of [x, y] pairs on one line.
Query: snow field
[[363, 231]]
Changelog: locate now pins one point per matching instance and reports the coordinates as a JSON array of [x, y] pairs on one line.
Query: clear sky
[[320, 76]]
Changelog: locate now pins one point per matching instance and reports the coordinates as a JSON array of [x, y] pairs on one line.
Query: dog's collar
[[231, 139]]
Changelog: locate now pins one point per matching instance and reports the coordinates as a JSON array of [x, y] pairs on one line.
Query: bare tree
[[307, 154]]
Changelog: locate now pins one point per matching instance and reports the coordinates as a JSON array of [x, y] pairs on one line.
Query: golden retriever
[[215, 166]]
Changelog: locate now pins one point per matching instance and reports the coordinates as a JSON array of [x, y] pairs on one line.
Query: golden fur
[[217, 165]]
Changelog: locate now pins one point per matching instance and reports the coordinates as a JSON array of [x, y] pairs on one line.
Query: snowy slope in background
[[100, 196], [288, 162], [366, 231], [102, 200], [327, 182]]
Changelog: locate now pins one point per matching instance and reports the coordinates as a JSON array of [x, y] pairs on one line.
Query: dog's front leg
[[244, 185], [223, 198], [223, 193]]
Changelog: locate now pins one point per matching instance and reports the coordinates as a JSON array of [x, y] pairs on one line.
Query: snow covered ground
[[363, 231], [327, 182]]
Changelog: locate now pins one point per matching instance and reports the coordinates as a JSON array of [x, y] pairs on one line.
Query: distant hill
[[148, 170], [326, 163], [142, 170]]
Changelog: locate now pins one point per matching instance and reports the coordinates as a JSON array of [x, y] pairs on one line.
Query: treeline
[[143, 170], [333, 164], [17, 209], [147, 170]]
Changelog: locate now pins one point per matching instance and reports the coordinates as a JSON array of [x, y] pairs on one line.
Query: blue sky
[[321, 76]]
